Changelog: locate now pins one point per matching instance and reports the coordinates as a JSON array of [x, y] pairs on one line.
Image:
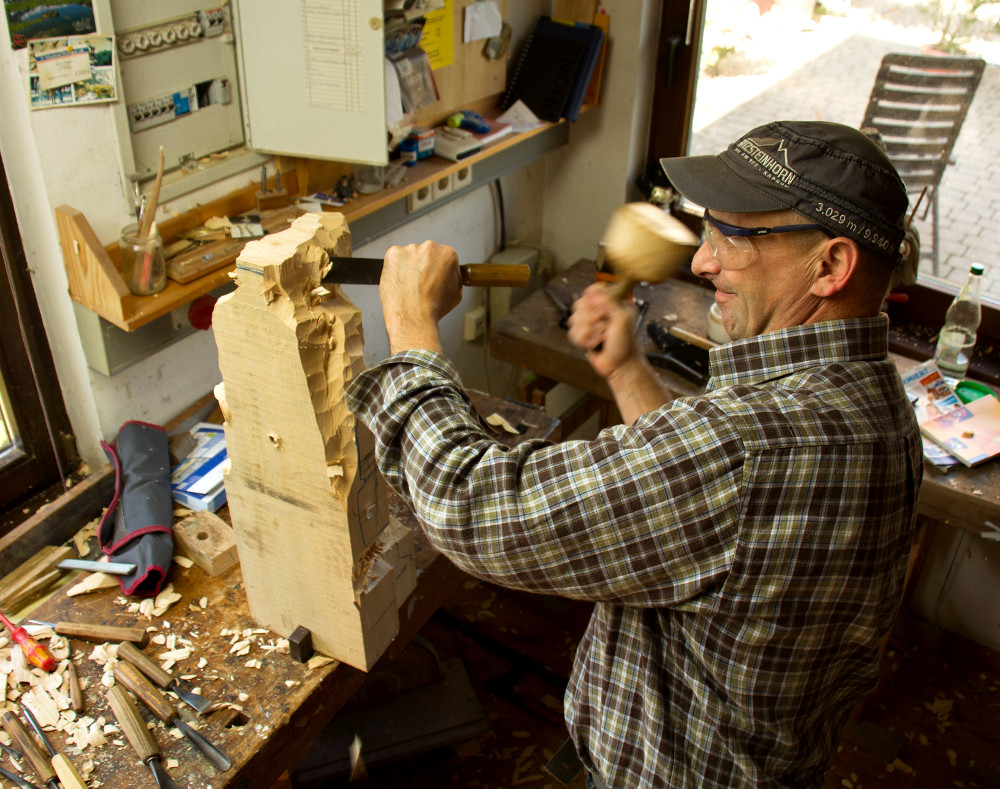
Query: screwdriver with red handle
[[37, 654]]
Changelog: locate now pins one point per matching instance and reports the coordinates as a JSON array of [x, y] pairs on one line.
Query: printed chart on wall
[[27, 19], [71, 71], [321, 63]]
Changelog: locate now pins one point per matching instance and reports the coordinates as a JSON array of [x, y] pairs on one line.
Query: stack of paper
[[953, 432], [196, 482]]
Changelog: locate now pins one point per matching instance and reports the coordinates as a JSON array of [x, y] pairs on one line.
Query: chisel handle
[[39, 761], [127, 651], [129, 676], [485, 275], [132, 723], [75, 693], [101, 633], [69, 777]]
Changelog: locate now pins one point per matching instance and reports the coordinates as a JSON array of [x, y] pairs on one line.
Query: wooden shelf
[[95, 274]]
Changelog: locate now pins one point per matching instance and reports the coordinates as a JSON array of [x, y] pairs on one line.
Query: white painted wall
[[70, 156]]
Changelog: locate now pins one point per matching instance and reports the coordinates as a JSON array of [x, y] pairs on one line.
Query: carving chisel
[[17, 779], [42, 766], [69, 777], [368, 271], [127, 651], [111, 568], [144, 690], [137, 733], [98, 633]]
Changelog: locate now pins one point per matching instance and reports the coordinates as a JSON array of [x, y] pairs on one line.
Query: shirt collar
[[779, 353]]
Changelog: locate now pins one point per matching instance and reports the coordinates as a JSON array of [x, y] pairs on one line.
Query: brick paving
[[827, 73]]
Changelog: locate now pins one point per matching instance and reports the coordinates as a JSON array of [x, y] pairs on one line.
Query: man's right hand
[[604, 328]]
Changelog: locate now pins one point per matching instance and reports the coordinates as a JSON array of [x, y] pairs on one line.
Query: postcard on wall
[[71, 71], [27, 19]]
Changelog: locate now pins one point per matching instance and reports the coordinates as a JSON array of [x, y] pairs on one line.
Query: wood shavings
[[317, 661], [941, 708], [253, 663], [173, 764], [81, 538], [498, 421], [240, 648], [291, 683], [183, 561], [243, 696], [899, 764], [92, 583]]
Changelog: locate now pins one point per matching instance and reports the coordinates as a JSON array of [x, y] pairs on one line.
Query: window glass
[[8, 432], [800, 59]]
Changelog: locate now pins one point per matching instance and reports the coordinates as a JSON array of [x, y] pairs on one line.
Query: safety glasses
[[730, 244]]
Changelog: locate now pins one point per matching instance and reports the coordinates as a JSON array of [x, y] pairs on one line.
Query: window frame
[[29, 374], [918, 316]]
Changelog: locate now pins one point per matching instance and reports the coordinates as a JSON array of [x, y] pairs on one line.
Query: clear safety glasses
[[730, 244]]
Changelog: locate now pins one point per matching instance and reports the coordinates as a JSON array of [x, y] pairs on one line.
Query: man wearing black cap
[[745, 548]]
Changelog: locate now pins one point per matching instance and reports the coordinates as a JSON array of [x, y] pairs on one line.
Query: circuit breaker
[[179, 81]]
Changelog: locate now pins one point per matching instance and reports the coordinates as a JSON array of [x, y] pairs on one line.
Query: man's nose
[[704, 263]]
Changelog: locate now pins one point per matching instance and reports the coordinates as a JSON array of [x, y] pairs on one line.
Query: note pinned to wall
[[482, 20], [70, 71]]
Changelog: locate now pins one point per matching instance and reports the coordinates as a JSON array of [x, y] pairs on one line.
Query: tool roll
[[136, 528]]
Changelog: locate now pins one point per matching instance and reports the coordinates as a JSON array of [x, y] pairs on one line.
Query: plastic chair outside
[[918, 104]]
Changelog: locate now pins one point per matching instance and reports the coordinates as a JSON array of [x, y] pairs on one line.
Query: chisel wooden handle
[[75, 694], [132, 723], [485, 275], [129, 676], [128, 651], [69, 777], [39, 761], [102, 633]]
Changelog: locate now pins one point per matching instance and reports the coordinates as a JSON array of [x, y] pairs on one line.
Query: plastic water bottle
[[958, 335]]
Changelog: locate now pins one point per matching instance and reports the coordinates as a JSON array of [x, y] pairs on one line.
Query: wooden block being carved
[[208, 541], [306, 500]]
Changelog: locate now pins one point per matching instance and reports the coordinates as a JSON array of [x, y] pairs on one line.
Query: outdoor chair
[[918, 105]]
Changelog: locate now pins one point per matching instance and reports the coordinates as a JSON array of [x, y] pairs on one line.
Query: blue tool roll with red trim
[[137, 526]]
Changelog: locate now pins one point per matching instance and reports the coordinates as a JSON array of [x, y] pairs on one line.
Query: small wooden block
[[300, 644], [208, 541], [275, 198]]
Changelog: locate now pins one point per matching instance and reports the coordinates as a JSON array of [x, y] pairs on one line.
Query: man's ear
[[838, 262]]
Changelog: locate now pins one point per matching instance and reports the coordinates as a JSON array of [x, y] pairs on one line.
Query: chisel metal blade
[[368, 271], [112, 568]]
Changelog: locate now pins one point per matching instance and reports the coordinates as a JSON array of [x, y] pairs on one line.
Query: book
[[970, 432], [197, 482], [546, 70], [931, 396], [593, 37]]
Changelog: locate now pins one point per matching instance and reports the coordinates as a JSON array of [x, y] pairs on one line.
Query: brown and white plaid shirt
[[746, 548]]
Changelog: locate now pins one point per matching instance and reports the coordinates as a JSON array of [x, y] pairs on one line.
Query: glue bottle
[[958, 335]]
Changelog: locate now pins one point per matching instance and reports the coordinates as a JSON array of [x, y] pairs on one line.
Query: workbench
[[284, 705], [529, 337]]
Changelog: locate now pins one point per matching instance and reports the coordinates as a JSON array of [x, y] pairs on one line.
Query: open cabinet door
[[312, 78]]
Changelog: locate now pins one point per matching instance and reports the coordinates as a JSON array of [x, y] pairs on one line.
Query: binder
[[554, 68]]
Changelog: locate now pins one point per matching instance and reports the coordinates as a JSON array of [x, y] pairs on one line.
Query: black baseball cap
[[831, 173]]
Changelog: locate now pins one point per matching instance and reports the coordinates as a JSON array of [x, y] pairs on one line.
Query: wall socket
[[474, 323], [438, 189]]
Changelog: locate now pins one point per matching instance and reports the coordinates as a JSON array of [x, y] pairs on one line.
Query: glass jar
[[143, 265]]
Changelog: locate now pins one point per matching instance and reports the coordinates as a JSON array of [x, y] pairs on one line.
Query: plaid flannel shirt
[[745, 548]]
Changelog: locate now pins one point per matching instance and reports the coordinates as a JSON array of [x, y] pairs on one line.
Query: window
[[35, 438], [754, 61]]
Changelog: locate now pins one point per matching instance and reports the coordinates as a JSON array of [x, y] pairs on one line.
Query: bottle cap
[[977, 268]]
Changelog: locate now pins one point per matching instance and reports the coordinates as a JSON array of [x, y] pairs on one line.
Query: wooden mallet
[[644, 243]]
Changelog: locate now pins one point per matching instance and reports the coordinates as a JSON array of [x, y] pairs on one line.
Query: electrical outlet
[[461, 178], [421, 198], [474, 323], [441, 187]]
